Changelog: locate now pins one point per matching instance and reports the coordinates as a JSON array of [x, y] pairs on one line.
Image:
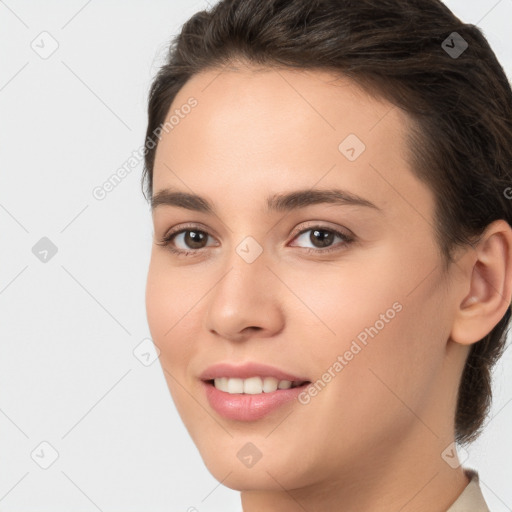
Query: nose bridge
[[245, 294], [246, 270]]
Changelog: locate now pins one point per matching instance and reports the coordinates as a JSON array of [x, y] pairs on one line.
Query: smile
[[253, 385], [249, 391]]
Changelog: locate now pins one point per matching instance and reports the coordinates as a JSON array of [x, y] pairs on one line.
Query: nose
[[245, 301]]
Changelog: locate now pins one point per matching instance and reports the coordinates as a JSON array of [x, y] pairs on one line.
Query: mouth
[[254, 385], [250, 391], [253, 398]]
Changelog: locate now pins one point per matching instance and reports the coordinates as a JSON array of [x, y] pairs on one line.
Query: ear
[[488, 267]]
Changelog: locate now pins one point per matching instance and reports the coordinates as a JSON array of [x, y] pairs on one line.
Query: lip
[[242, 407], [246, 407]]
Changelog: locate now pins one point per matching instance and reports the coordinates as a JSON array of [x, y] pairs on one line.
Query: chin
[[271, 466]]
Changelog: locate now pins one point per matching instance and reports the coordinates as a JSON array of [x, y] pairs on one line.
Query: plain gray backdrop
[[86, 422]]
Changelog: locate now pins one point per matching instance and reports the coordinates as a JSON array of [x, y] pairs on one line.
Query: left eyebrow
[[275, 203], [303, 198]]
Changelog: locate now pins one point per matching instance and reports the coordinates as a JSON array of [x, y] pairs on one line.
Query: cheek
[[340, 300], [390, 382], [158, 305], [170, 313], [169, 309], [377, 314], [171, 292]]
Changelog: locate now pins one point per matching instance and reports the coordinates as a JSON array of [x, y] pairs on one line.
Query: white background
[[68, 375]]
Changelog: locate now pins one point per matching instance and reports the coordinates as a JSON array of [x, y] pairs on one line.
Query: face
[[336, 293]]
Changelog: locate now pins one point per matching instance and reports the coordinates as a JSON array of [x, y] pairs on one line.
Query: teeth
[[235, 386], [221, 384], [270, 384], [252, 385]]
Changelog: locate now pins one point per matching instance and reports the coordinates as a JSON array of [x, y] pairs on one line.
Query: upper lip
[[246, 370]]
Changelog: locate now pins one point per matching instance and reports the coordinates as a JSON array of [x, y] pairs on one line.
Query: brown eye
[[187, 241], [194, 239], [189, 238], [323, 238]]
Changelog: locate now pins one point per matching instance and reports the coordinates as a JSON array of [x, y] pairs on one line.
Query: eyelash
[[169, 237]]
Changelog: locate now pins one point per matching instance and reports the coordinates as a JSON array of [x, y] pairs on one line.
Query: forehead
[[255, 131], [258, 104]]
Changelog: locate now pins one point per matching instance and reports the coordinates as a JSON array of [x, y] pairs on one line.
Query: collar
[[471, 499]]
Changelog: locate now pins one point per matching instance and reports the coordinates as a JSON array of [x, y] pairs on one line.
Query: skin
[[372, 439]]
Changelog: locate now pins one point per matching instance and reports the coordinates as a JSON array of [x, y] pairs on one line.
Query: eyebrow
[[275, 203]]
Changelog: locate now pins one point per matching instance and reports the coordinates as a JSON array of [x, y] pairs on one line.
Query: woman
[[331, 278]]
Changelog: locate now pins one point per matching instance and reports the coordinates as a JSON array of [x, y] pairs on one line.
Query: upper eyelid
[[191, 227]]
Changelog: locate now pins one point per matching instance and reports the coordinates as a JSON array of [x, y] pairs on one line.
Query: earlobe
[[489, 267]]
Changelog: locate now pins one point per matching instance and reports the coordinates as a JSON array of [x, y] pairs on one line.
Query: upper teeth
[[252, 385]]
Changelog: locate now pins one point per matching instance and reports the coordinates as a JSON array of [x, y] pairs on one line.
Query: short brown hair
[[460, 106]]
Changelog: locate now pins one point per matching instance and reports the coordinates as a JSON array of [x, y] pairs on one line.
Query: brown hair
[[460, 106]]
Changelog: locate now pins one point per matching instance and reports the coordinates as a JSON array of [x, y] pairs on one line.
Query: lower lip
[[245, 407]]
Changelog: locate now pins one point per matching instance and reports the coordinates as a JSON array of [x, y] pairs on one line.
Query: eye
[[192, 239], [322, 238]]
